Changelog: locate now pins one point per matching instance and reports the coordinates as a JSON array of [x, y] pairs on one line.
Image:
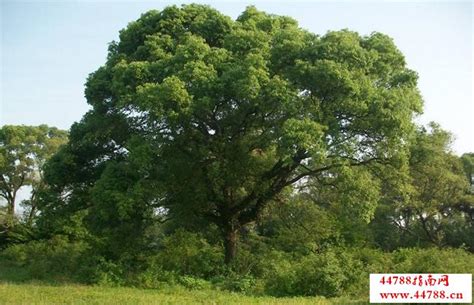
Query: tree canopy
[[23, 152], [437, 208], [204, 119]]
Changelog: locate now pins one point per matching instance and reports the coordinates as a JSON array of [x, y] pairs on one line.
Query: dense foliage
[[208, 120], [208, 135], [23, 152]]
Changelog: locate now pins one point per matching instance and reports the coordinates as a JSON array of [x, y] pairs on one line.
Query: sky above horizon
[[49, 47]]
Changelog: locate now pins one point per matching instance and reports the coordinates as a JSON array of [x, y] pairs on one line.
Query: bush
[[188, 260], [193, 283], [187, 253], [432, 260], [345, 271], [55, 259], [280, 275], [154, 277], [238, 283], [314, 274], [107, 273], [321, 274], [358, 263]]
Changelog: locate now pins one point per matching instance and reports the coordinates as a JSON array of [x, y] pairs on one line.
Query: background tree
[[438, 208], [468, 164], [218, 117], [23, 152]]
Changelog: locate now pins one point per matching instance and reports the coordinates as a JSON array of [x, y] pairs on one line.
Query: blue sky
[[49, 47]]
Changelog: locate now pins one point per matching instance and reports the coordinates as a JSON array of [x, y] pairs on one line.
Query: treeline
[[248, 155], [321, 239]]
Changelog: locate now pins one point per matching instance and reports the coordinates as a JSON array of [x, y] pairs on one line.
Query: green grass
[[37, 293]]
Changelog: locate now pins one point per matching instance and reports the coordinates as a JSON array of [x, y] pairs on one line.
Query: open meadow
[[39, 294]]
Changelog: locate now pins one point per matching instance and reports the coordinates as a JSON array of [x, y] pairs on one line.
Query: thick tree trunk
[[230, 245]]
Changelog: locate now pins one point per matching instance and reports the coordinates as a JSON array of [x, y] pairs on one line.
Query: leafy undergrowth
[[38, 294], [18, 287]]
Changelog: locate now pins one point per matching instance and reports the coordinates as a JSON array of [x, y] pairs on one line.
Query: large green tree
[[23, 152], [207, 120]]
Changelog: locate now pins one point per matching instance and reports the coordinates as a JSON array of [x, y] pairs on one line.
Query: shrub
[[345, 271], [238, 283], [320, 274], [55, 259], [280, 274], [314, 274], [189, 253], [358, 264], [432, 260], [193, 282], [107, 273], [154, 277]]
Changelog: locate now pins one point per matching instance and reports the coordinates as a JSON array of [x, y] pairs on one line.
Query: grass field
[[38, 293]]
